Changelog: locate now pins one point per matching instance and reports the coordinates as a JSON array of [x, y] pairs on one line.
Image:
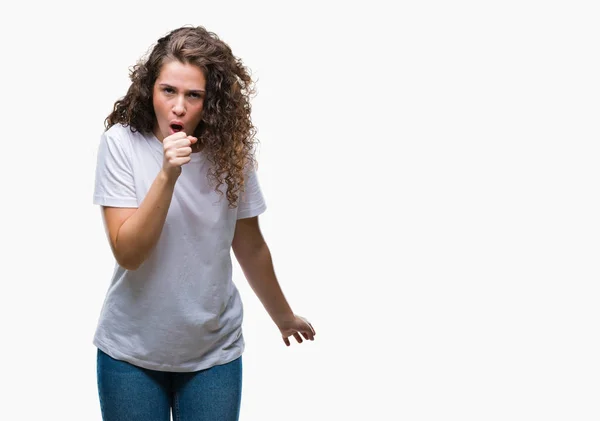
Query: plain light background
[[431, 174]]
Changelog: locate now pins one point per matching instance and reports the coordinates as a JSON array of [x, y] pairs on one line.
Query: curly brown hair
[[226, 129]]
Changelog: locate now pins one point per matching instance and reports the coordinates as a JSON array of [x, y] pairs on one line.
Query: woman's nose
[[179, 107]]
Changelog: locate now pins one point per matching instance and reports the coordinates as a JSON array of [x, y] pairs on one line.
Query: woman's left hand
[[296, 327]]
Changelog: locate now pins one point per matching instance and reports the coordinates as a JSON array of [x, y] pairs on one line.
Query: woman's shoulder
[[119, 131], [122, 134]]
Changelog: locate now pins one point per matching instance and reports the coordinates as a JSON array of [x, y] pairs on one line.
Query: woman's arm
[[133, 232], [254, 257]]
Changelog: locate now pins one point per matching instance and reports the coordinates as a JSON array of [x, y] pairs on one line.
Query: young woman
[[178, 190]]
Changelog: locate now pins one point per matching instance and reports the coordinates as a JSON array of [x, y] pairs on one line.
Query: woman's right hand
[[177, 152]]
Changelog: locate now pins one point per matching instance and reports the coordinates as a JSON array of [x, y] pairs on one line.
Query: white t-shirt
[[180, 310]]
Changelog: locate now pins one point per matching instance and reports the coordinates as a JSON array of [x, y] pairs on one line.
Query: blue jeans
[[131, 393]]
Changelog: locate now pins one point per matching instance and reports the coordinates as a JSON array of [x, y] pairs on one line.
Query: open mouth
[[176, 127]]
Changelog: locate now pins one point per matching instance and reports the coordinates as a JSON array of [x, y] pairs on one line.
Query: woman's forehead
[[175, 72]]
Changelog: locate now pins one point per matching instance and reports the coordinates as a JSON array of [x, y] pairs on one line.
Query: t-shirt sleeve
[[114, 185], [252, 202]]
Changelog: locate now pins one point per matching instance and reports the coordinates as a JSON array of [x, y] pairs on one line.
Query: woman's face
[[178, 98]]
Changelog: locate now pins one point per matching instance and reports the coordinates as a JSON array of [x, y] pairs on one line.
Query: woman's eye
[[168, 90], [195, 95]]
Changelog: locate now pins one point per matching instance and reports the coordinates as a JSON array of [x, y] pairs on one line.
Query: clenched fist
[[176, 152]]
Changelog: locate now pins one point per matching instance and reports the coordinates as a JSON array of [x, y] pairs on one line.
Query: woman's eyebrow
[[166, 85]]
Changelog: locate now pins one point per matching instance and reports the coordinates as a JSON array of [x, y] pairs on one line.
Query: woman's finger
[[311, 327]]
